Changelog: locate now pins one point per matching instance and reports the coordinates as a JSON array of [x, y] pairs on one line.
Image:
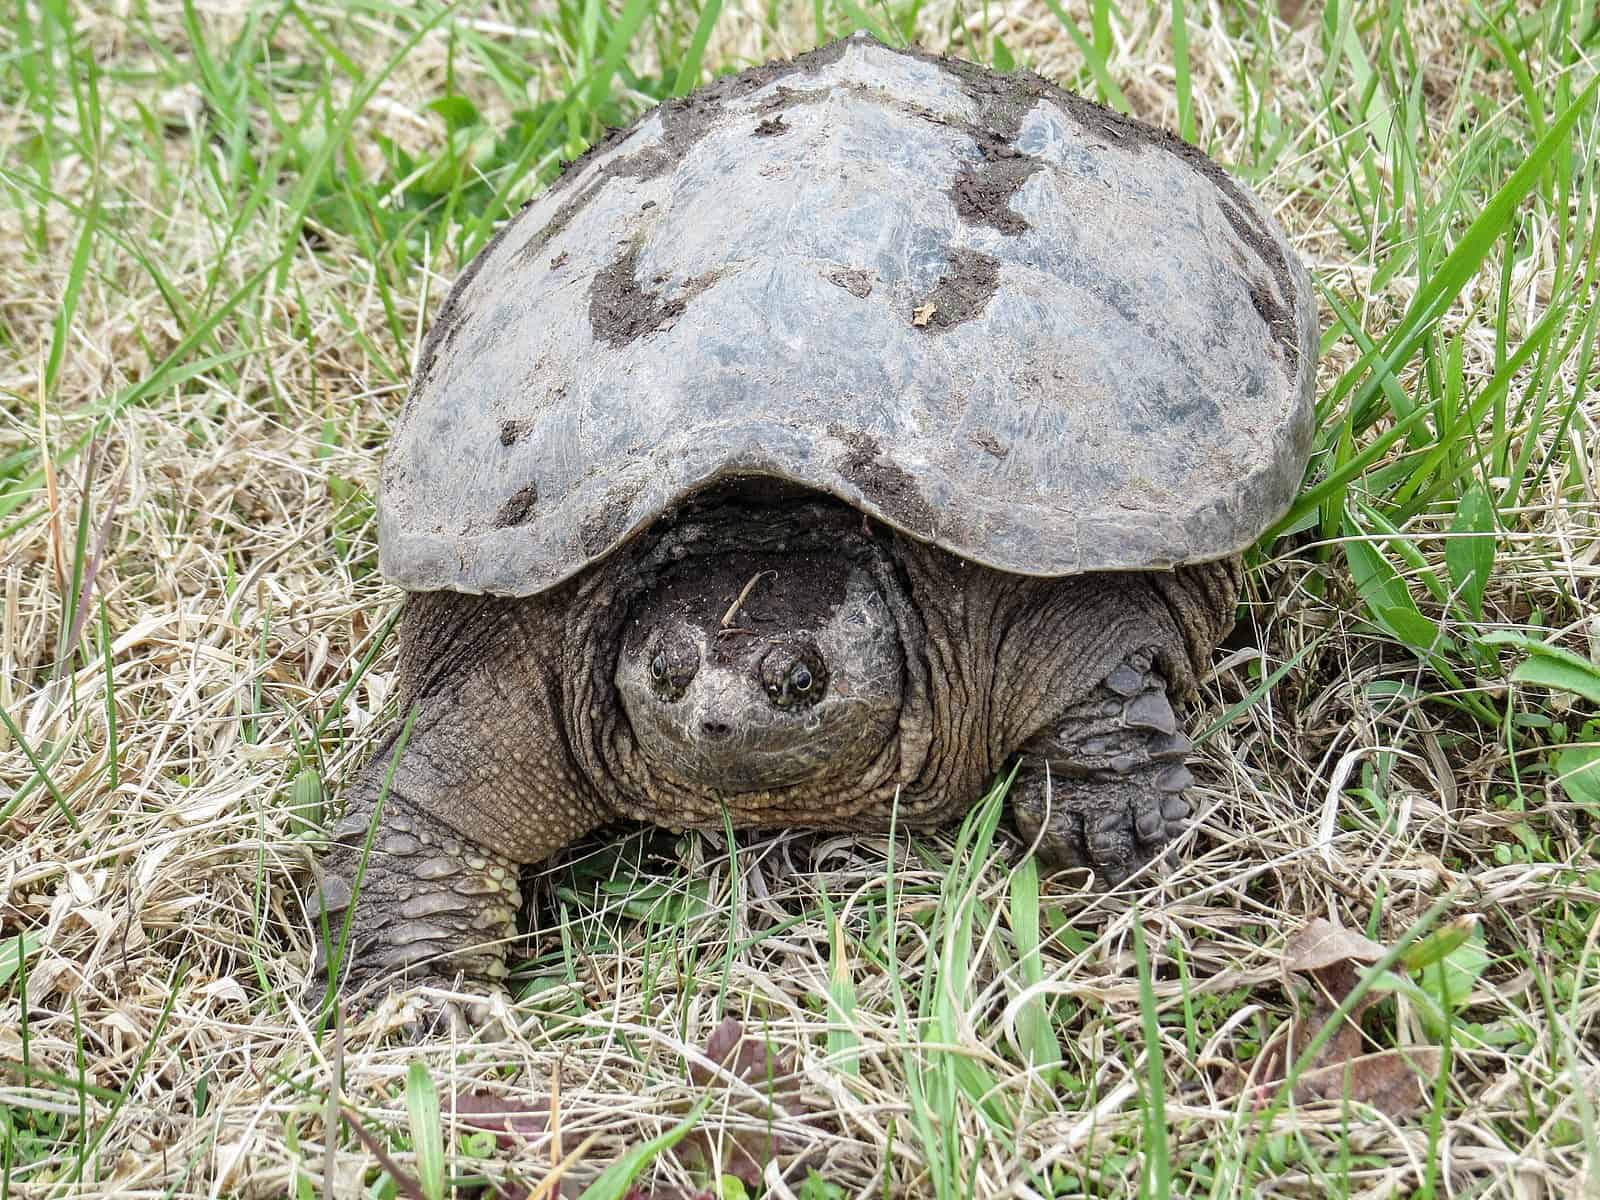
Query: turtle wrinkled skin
[[819, 449]]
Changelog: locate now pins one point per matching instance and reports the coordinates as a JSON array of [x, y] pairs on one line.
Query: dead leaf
[[922, 314], [226, 990], [510, 1119], [1331, 956], [1322, 944], [1297, 12], [230, 1160], [1396, 1081], [744, 1140], [84, 890]]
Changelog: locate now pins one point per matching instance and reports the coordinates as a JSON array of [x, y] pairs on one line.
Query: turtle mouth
[[761, 772], [748, 752]]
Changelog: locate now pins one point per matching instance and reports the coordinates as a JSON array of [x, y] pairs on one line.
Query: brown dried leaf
[[1322, 944], [510, 1119], [1347, 1040], [1395, 1082], [1331, 956], [745, 1142], [1398, 1082], [1284, 1049], [721, 1046]]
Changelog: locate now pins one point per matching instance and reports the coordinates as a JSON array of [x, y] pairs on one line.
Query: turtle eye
[[672, 666], [793, 675]]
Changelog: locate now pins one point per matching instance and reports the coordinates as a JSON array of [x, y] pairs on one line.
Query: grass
[[222, 231]]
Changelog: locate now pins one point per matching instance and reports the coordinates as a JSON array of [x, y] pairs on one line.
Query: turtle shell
[[985, 311]]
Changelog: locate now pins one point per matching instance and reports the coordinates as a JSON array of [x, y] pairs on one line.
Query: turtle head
[[754, 673]]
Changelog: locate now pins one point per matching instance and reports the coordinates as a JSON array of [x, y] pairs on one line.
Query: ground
[[224, 228]]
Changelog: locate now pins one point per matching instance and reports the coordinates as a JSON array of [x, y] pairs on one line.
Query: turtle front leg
[[477, 782], [417, 904], [1104, 788]]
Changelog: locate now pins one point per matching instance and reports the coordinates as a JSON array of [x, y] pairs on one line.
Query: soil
[[685, 119], [512, 432], [558, 221], [963, 293], [989, 444], [683, 123], [1004, 101], [983, 196], [620, 309], [784, 98], [887, 484], [518, 510], [1279, 319]]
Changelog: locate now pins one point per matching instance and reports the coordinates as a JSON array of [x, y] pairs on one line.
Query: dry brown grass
[[169, 947]]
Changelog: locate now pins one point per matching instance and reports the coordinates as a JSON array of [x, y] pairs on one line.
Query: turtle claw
[[433, 1009], [457, 1016], [1096, 824], [418, 905]]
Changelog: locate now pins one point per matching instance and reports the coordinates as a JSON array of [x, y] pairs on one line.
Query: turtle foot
[[410, 903], [1105, 790]]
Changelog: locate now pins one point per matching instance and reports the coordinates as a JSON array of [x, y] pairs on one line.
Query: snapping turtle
[[819, 448]]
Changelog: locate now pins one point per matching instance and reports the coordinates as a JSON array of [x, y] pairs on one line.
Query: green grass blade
[[689, 69], [843, 1043], [1156, 1180], [1099, 69], [1437, 293], [427, 1132], [41, 772], [16, 951], [1180, 67], [1469, 553], [617, 46], [615, 1181], [1035, 1032]]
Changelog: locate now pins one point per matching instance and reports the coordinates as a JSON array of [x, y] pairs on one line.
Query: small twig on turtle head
[[727, 617]]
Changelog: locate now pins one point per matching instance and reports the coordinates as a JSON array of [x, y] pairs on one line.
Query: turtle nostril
[[716, 729]]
